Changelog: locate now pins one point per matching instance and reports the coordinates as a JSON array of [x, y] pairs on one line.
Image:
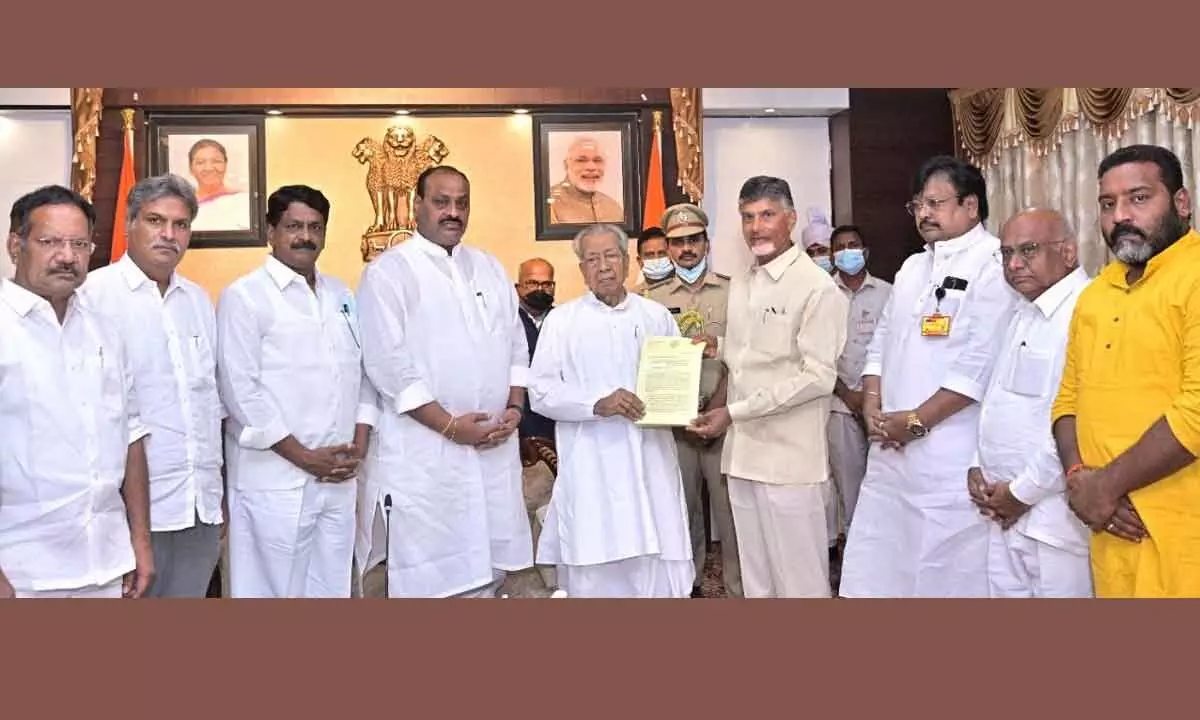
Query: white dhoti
[[782, 539], [111, 590], [292, 543], [848, 448], [637, 577], [1022, 567]]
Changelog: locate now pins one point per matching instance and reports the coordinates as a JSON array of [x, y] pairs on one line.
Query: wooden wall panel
[[384, 97], [877, 147], [350, 101]]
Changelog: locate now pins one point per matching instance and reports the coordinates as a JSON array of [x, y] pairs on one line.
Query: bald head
[[535, 286], [1038, 248], [535, 267]]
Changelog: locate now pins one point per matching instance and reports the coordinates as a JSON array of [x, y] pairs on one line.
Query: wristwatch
[[915, 427]]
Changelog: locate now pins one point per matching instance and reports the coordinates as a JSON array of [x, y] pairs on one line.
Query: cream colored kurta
[[786, 329], [618, 495]]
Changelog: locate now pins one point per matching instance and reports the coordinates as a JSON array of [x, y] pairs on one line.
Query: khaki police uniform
[[700, 310]]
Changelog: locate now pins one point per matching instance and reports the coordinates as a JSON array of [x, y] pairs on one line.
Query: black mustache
[[65, 270], [930, 224], [1126, 229], [305, 245], [447, 221]]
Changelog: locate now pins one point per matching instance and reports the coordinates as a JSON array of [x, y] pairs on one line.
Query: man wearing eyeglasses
[[300, 412], [535, 294], [1037, 547], [74, 488], [698, 298], [915, 532], [168, 324]]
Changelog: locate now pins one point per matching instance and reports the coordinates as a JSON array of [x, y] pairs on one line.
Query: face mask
[[823, 262], [850, 261], [658, 268], [691, 275], [539, 301]]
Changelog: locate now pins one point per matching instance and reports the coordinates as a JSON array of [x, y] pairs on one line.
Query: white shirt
[[618, 493], [289, 364], [171, 340], [1015, 441], [68, 413], [443, 326], [912, 366]]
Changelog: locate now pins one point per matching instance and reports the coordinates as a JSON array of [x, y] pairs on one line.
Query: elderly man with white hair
[[617, 526], [1037, 547]]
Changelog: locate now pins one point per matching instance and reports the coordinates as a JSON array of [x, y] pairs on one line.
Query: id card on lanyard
[[937, 323]]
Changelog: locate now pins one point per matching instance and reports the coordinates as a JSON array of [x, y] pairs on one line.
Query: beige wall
[[496, 153]]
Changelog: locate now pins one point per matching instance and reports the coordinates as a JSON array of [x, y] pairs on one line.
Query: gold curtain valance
[[987, 120]]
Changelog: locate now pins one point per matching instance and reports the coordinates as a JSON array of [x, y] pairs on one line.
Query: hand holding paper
[[669, 381]]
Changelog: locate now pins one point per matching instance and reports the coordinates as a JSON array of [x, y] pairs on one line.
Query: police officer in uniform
[[697, 298]]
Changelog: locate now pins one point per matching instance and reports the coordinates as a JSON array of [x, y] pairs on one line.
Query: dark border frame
[[161, 125], [631, 167]]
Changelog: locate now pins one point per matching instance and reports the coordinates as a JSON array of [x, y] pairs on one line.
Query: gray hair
[[765, 187], [601, 229], [147, 190]]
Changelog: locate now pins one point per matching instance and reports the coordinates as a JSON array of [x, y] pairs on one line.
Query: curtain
[[1065, 178], [1050, 142]]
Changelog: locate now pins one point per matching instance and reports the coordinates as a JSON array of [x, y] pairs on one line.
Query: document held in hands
[[668, 381]]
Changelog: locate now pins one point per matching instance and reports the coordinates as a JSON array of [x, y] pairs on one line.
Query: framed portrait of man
[[586, 170], [223, 158]]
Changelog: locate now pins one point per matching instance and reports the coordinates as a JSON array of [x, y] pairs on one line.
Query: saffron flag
[[656, 201], [128, 178]]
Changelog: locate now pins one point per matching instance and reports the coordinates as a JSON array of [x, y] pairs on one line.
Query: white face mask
[[657, 268]]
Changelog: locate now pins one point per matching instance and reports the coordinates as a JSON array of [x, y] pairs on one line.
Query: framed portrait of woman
[[224, 160]]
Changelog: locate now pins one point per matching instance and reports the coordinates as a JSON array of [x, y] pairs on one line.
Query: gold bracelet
[[872, 394], [448, 425]]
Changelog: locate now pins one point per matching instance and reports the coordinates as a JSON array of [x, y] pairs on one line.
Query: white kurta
[[289, 365], [618, 495], [68, 413], [443, 327], [915, 531], [1016, 445]]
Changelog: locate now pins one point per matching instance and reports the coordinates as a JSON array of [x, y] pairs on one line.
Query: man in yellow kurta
[[1127, 417]]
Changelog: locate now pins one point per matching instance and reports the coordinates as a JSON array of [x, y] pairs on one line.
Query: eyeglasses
[[1026, 251], [934, 204], [547, 285], [613, 257], [82, 246]]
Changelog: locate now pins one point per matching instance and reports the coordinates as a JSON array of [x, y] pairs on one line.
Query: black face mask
[[539, 301]]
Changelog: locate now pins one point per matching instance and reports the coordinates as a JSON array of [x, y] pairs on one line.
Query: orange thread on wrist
[[1077, 467]]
